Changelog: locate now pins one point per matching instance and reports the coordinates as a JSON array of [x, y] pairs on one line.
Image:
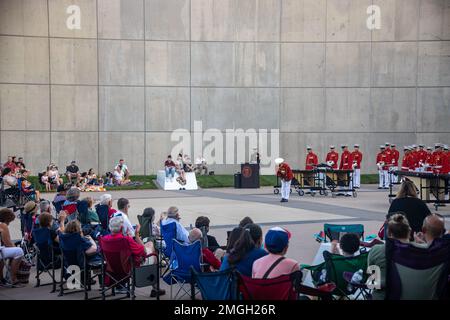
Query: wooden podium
[[249, 175]]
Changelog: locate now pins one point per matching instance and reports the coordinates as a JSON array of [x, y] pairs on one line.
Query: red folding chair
[[119, 269]]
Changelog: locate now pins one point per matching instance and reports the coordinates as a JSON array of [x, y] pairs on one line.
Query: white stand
[[172, 184]]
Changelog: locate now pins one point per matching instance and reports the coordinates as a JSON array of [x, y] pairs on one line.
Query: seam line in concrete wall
[[98, 94], [49, 82], [145, 95]]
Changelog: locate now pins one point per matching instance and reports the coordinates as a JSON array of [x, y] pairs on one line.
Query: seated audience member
[[349, 245], [92, 214], [275, 264], [203, 224], [45, 181], [92, 177], [173, 216], [397, 228], [73, 172], [123, 205], [9, 250], [169, 168], [200, 165], [60, 194], [138, 250], [187, 164], [149, 213], [179, 168], [208, 257], [246, 250], [9, 182], [245, 221], [234, 235], [27, 187], [433, 228], [10, 164], [118, 176], [124, 168], [106, 200], [414, 209], [46, 221], [71, 203], [53, 175], [21, 164]]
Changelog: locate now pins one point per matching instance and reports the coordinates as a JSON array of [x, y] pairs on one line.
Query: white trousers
[[394, 178], [383, 177], [357, 178], [285, 189]]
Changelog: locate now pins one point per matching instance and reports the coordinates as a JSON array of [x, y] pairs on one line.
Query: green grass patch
[[369, 178]]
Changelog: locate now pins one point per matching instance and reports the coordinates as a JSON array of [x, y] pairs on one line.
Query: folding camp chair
[[5, 262], [58, 205], [103, 215], [47, 260], [221, 285], [119, 269], [279, 288], [168, 234], [73, 255], [332, 271], [335, 231], [184, 256], [414, 273], [24, 197]]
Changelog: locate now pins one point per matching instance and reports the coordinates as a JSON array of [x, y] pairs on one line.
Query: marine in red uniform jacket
[[429, 160], [406, 161], [285, 172], [421, 154], [395, 156], [446, 162], [333, 156], [357, 156], [346, 160], [311, 160]]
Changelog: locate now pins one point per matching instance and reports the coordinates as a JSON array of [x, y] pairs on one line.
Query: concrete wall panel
[[121, 62], [235, 108], [394, 64], [398, 20], [33, 146], [167, 63], [235, 20], [59, 18], [302, 64], [433, 110], [122, 108], [121, 19], [303, 20], [235, 64], [348, 64], [12, 21], [79, 146], [23, 60], [346, 20], [167, 109], [118, 145], [434, 20], [434, 64], [73, 61], [167, 19], [303, 110], [24, 107]]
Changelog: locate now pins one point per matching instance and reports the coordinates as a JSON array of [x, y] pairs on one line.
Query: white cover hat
[[279, 160]]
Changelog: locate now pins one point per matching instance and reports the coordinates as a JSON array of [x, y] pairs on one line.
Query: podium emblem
[[247, 172]]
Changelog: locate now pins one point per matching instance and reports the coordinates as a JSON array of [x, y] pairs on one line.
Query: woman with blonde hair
[[407, 202]]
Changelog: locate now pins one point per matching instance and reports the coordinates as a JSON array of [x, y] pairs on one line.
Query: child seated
[[349, 244]]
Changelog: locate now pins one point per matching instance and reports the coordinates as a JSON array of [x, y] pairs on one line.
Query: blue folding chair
[[220, 285], [47, 257], [335, 231], [168, 234], [183, 258]]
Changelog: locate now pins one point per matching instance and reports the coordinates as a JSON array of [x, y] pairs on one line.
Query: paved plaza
[[225, 207]]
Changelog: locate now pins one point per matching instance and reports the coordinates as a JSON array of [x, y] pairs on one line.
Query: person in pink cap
[[275, 264]]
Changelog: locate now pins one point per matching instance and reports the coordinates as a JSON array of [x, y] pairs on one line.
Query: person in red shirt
[[357, 157], [284, 171], [406, 160], [346, 164], [421, 156], [10, 164], [438, 158], [383, 165], [395, 156], [311, 159], [332, 158], [429, 160], [139, 251], [446, 161], [414, 159]]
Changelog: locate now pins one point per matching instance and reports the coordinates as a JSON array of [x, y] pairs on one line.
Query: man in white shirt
[[200, 165], [123, 205], [124, 168], [173, 216]]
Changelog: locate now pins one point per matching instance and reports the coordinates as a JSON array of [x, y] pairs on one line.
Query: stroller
[[27, 225]]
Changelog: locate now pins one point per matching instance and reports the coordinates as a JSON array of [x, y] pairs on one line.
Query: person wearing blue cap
[[275, 264]]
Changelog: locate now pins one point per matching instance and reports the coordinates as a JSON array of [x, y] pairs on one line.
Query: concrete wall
[[139, 69]]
